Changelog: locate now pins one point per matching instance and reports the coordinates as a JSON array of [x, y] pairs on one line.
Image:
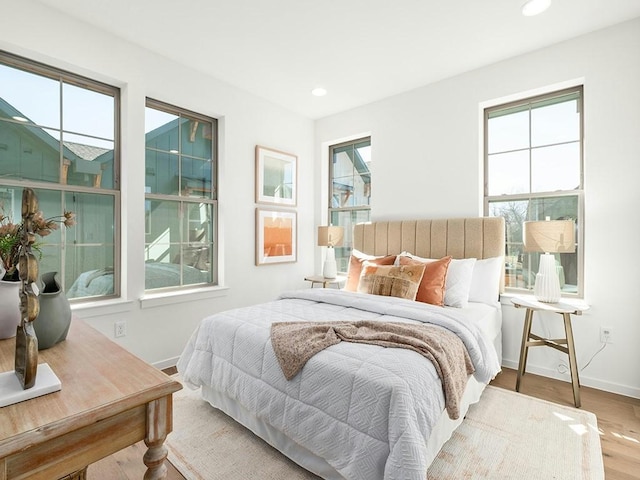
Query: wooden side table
[[340, 279], [564, 345], [110, 399]]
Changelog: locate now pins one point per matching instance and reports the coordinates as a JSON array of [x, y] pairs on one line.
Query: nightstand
[[564, 345], [325, 282]]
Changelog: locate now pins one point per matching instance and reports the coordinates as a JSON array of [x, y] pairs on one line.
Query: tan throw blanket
[[294, 343]]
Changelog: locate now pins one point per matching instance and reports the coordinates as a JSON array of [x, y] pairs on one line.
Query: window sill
[[102, 307], [168, 298]]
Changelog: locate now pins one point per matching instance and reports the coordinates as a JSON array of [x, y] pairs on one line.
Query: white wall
[[427, 162], [158, 332]]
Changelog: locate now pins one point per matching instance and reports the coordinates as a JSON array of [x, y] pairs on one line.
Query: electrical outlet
[[120, 328], [606, 335]]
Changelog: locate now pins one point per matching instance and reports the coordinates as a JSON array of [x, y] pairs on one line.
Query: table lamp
[[549, 236], [330, 237]]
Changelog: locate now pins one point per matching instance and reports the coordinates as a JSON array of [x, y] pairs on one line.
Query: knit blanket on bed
[[294, 343]]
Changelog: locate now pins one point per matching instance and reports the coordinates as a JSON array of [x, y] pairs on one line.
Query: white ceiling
[[359, 50]]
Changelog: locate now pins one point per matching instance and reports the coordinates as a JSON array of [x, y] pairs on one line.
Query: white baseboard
[[169, 362], [584, 380]]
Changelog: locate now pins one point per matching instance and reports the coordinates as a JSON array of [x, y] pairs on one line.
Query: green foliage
[[11, 233]]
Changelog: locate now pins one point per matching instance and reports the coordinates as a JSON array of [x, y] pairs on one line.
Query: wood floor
[[618, 420]]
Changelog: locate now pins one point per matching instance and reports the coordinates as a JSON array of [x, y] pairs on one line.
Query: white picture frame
[[276, 177], [276, 236]]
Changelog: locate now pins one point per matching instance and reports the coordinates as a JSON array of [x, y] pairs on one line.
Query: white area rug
[[505, 436]]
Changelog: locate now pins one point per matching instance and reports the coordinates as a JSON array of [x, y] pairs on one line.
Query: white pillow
[[458, 282], [485, 282]]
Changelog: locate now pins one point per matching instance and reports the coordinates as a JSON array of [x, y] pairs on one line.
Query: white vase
[[9, 308]]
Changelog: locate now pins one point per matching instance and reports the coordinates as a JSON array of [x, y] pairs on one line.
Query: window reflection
[[30, 147], [59, 129], [180, 198]]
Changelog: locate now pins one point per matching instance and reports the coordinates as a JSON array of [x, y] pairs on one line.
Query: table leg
[[79, 475], [573, 365], [524, 349], [159, 424]]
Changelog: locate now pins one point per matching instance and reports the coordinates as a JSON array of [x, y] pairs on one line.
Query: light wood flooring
[[618, 420]]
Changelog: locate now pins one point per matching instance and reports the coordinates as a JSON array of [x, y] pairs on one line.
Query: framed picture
[[276, 236], [276, 177]]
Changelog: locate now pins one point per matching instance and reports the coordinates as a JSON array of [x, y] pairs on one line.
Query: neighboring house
[[22, 149]]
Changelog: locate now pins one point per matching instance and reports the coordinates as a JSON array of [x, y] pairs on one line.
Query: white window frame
[[185, 200], [342, 253], [72, 79], [578, 192]]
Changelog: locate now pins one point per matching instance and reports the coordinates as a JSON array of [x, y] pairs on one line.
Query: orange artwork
[[275, 236], [278, 237]]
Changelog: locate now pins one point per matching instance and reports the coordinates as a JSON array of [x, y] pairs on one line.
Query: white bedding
[[360, 411]]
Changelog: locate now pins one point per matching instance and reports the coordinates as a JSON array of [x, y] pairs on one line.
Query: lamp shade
[[330, 236], [550, 236]]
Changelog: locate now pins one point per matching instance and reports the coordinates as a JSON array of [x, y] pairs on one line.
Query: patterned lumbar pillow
[[391, 281]]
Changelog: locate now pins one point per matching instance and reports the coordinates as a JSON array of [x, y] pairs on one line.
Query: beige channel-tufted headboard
[[474, 237]]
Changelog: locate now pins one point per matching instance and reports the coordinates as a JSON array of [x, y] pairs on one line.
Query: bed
[[359, 411]]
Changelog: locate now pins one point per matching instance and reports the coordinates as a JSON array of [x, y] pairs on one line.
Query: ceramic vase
[[9, 308], [54, 319]]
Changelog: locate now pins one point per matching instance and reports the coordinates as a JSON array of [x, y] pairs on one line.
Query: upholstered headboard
[[479, 237]]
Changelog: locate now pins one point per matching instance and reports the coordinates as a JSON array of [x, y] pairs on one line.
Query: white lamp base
[[547, 287], [330, 269]]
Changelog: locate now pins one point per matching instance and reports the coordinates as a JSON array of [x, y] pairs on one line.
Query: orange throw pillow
[[355, 267], [432, 286]]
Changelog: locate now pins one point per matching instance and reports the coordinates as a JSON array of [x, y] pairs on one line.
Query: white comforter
[[367, 410]]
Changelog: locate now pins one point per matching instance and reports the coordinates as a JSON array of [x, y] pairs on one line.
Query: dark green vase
[[54, 319]]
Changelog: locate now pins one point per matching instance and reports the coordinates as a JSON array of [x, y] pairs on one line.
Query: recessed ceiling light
[[535, 7], [19, 118], [319, 92]]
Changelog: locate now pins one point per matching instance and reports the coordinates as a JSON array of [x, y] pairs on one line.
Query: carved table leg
[[159, 424], [79, 475]]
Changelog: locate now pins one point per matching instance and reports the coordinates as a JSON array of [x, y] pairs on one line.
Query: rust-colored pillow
[[432, 286], [355, 267], [391, 280]]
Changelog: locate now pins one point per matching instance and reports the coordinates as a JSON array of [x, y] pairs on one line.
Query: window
[[349, 191], [59, 136], [181, 197], [534, 170]]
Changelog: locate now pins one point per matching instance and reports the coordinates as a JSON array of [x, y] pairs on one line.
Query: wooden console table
[[110, 399]]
